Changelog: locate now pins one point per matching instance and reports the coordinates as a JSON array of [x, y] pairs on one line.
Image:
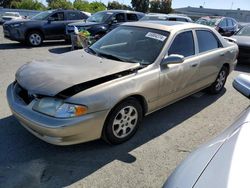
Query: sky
[[219, 4]]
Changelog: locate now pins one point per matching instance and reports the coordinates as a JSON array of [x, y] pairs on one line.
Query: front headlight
[[16, 24], [58, 108]]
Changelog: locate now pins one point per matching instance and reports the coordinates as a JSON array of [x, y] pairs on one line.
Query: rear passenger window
[[73, 16], [207, 41], [132, 17], [183, 44]]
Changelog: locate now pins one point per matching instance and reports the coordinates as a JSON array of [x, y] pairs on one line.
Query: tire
[[123, 122], [34, 38], [220, 81]]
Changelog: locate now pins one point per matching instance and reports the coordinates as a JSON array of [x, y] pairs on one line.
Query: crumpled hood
[[51, 77], [84, 24], [242, 40]]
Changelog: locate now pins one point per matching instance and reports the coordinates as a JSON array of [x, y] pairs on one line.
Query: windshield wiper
[[110, 56], [91, 50]]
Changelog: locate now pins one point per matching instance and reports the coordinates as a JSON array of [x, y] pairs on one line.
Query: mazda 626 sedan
[[105, 90]]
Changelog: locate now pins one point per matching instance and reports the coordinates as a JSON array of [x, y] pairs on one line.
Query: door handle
[[222, 54], [194, 65]]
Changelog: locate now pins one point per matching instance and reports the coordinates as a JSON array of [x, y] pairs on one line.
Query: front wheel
[[220, 81], [123, 122], [35, 38]]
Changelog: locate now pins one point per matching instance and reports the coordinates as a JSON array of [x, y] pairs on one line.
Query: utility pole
[[232, 5]]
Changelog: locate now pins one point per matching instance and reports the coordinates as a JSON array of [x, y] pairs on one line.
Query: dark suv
[[226, 26], [47, 25], [102, 22]]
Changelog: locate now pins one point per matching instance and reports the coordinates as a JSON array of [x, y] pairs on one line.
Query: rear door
[[211, 56]]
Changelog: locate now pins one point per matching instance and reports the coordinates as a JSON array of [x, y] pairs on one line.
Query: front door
[[178, 80], [55, 26]]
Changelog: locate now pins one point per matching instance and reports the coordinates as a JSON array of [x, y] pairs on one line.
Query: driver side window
[[59, 16], [183, 44]]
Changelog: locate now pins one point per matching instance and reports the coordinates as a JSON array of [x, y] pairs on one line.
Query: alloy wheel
[[125, 121]]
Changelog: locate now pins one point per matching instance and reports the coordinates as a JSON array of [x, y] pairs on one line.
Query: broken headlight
[[58, 108]]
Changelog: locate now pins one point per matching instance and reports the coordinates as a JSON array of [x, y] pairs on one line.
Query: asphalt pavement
[[164, 139]]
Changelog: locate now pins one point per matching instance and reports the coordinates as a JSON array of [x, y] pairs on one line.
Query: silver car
[[105, 90], [224, 161]]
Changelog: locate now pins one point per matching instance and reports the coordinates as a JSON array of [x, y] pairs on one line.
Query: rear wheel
[[220, 81], [34, 38], [123, 122]]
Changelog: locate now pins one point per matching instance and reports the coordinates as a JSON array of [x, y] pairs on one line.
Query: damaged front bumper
[[53, 130]]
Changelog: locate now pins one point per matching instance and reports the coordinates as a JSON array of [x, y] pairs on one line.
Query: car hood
[[84, 24], [242, 40], [77, 67], [19, 21]]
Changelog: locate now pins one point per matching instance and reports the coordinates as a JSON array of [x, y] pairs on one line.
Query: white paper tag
[[156, 36]]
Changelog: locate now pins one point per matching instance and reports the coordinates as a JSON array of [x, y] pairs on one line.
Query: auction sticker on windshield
[[156, 36]]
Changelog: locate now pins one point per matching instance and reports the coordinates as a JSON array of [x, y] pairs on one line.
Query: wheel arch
[[33, 29]]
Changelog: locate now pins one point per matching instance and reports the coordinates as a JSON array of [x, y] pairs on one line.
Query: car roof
[[167, 25], [166, 15], [122, 11]]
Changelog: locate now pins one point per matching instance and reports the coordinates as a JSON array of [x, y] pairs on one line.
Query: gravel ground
[[164, 139]]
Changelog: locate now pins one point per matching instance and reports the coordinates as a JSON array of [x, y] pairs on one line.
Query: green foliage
[[140, 5], [116, 5], [81, 5], [84, 5], [64, 4], [161, 6], [96, 6], [28, 4]]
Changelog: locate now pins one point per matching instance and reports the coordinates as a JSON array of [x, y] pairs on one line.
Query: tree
[[64, 4], [140, 5], [161, 6], [96, 6], [28, 4], [81, 5], [8, 3], [116, 5]]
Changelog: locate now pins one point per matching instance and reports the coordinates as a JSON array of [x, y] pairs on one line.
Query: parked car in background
[[242, 38], [222, 162], [102, 22], [47, 25], [105, 90], [226, 26], [166, 17], [8, 16]]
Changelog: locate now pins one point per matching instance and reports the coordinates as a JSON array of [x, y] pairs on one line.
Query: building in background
[[195, 13]]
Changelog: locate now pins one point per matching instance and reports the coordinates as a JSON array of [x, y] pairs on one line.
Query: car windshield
[[99, 17], [42, 15], [245, 31], [154, 18], [212, 22], [131, 44]]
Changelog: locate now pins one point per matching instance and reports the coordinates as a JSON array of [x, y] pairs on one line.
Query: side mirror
[[172, 59], [242, 84]]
